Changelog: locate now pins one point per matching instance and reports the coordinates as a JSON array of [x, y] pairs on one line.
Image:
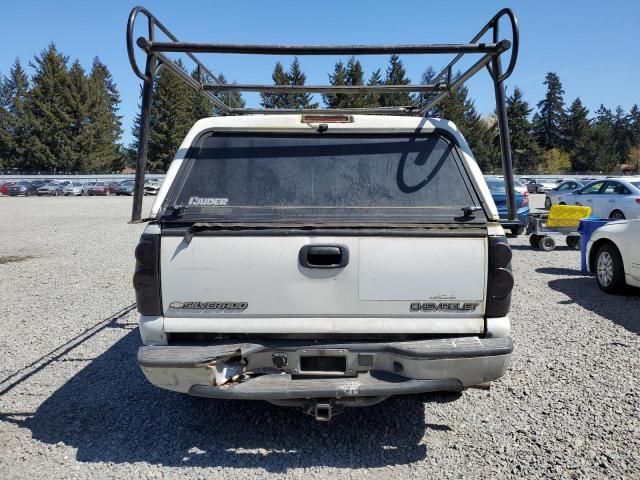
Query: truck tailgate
[[257, 284]]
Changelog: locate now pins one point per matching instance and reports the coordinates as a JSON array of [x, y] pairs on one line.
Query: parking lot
[[74, 404]]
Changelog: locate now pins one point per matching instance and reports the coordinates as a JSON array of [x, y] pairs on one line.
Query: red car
[[102, 188], [4, 187]]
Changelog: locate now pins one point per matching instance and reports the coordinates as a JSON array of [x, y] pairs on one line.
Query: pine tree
[[232, 99], [524, 150], [577, 134], [622, 134], [602, 144], [48, 113], [199, 105], [453, 107], [82, 145], [396, 75], [170, 118], [6, 140], [338, 78], [135, 131], [634, 125], [481, 134], [297, 77], [105, 123], [422, 99], [355, 76], [550, 119], [351, 75], [13, 93], [277, 100], [372, 99]]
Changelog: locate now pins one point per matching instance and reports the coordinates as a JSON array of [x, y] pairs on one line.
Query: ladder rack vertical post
[[503, 126], [143, 134]]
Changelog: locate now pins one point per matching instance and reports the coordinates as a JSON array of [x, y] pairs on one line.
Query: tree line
[[66, 119], [62, 119]]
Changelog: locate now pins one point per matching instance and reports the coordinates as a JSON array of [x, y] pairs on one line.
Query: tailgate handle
[[324, 256]]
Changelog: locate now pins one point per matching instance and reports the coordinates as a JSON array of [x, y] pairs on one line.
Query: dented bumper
[[286, 370]]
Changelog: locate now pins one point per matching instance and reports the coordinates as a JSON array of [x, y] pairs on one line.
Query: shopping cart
[[561, 220]]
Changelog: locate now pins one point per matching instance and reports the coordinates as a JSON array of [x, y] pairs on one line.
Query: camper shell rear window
[[329, 178]]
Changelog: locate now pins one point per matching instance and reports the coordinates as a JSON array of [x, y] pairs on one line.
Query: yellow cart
[[560, 220]]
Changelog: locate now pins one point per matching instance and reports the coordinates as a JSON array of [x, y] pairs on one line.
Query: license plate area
[[323, 362]]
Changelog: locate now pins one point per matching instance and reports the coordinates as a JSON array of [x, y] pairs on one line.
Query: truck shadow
[[110, 413], [622, 309]]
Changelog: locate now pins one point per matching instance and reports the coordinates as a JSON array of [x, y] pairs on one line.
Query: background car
[[4, 187], [498, 192], [518, 184], [52, 188], [613, 254], [565, 187], [531, 184], [151, 187], [547, 185], [25, 187], [86, 186], [125, 188], [73, 188], [101, 188], [615, 198]]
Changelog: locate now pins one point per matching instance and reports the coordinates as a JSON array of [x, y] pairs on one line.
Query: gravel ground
[[73, 403]]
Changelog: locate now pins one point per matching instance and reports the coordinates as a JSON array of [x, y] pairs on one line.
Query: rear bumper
[[283, 387], [377, 369]]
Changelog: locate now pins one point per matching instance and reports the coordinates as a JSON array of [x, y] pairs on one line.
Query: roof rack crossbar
[[219, 87], [165, 62], [183, 47], [206, 82], [475, 68], [327, 111]]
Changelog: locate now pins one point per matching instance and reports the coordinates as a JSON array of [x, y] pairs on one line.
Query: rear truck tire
[[519, 230], [573, 242], [547, 244], [617, 215], [534, 240], [609, 269], [547, 203], [562, 203]]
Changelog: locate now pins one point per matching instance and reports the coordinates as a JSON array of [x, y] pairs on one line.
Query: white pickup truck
[[323, 262]]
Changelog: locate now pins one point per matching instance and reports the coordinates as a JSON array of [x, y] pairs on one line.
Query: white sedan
[[545, 186], [562, 189], [616, 198], [74, 188], [613, 254]]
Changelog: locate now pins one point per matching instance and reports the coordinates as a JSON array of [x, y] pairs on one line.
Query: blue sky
[[592, 46]]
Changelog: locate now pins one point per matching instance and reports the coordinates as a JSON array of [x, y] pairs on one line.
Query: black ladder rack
[[442, 85]]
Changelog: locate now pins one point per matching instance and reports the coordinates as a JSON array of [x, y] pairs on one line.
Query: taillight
[[146, 279], [327, 119], [638, 200], [499, 277]]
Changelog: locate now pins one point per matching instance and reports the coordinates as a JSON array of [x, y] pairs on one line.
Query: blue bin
[[585, 229]]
